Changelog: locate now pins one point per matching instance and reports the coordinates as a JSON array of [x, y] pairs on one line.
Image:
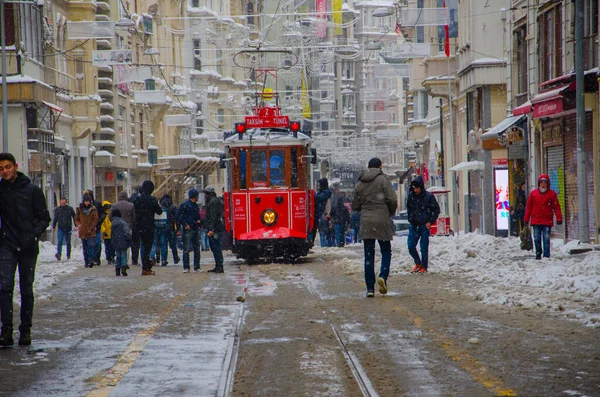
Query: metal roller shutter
[[555, 170], [571, 185]]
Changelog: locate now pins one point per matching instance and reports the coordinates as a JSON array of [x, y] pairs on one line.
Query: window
[[197, 55], [31, 31], [243, 158], [79, 74], [550, 44], [520, 45], [221, 115], [141, 130], [294, 166], [590, 34], [150, 84], [220, 62], [277, 167], [9, 23], [123, 130], [250, 17], [259, 167], [148, 25], [420, 29]]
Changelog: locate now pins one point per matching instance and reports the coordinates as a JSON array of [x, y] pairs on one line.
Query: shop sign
[[548, 108], [499, 162]]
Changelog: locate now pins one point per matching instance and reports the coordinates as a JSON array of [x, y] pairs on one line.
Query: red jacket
[[541, 207]]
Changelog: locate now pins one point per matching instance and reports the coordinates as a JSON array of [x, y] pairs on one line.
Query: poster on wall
[[502, 198]]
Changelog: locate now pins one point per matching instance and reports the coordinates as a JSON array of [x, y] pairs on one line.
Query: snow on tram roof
[[260, 136]]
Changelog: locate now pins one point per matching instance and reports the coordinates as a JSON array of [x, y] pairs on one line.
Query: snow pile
[[496, 271]]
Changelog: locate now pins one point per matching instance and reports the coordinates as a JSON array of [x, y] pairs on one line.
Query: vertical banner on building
[[321, 29], [306, 113], [502, 198], [337, 16]]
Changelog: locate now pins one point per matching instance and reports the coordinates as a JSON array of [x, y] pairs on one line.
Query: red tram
[[269, 205]]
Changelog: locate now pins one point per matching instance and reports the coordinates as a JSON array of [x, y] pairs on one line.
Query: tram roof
[[270, 136]]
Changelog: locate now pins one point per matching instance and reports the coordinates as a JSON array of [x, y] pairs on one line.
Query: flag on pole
[[447, 31], [398, 31]]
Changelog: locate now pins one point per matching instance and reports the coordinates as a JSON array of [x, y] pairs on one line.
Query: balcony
[[102, 18], [107, 131], [104, 93], [107, 106], [105, 81], [102, 5], [103, 143], [105, 118], [103, 44]]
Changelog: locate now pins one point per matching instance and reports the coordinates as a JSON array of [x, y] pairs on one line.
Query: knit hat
[[209, 190], [193, 193]]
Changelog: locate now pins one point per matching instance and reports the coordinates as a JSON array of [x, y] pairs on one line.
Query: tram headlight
[[269, 217]]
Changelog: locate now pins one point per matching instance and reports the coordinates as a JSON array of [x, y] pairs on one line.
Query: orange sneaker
[[416, 269], [423, 270]]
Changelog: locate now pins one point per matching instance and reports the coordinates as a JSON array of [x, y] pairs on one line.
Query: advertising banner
[[321, 29], [133, 74], [502, 198], [337, 16], [112, 57]]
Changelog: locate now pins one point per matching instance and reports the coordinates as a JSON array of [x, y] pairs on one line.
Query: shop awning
[[502, 126], [550, 102], [468, 166], [523, 109]]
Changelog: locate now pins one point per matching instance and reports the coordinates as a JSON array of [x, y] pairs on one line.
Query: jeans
[[191, 241], [121, 258], [98, 247], [89, 250], [109, 251], [25, 260], [204, 240], [217, 250], [64, 235], [164, 238], [541, 234], [414, 234], [340, 235], [324, 239], [356, 233], [386, 259]]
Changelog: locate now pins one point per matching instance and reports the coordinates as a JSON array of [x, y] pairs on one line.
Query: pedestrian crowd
[[139, 223]]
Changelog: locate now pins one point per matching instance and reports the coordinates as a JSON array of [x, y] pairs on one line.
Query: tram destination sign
[[267, 122]]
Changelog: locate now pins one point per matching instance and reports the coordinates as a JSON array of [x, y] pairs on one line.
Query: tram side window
[[294, 166], [259, 168], [243, 169], [277, 165]]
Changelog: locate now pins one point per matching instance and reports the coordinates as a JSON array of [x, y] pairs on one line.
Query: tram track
[[364, 383]]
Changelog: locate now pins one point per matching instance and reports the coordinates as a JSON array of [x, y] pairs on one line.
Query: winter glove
[[559, 222]]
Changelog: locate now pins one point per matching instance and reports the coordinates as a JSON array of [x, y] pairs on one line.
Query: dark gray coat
[[121, 234], [376, 199]]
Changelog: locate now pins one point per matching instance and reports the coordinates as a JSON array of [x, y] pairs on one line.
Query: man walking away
[[166, 229], [24, 217], [341, 219], [423, 210], [215, 226], [375, 198], [188, 216], [542, 206], [121, 242], [322, 197], [146, 206], [128, 215], [86, 219], [64, 217]]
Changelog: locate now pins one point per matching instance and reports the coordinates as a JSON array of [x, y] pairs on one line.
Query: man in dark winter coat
[[322, 197], [125, 207], [341, 219], [213, 222], [64, 217], [376, 199], [24, 217], [188, 216], [423, 210], [146, 206]]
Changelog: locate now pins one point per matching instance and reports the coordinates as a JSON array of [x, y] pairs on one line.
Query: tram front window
[[277, 166], [259, 168]]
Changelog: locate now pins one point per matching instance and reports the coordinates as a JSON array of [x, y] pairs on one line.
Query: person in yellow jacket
[[106, 231]]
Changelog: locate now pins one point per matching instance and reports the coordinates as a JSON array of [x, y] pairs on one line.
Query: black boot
[[124, 270], [217, 269], [25, 337], [6, 337]]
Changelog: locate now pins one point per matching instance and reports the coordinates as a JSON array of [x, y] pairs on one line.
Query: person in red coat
[[542, 205]]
